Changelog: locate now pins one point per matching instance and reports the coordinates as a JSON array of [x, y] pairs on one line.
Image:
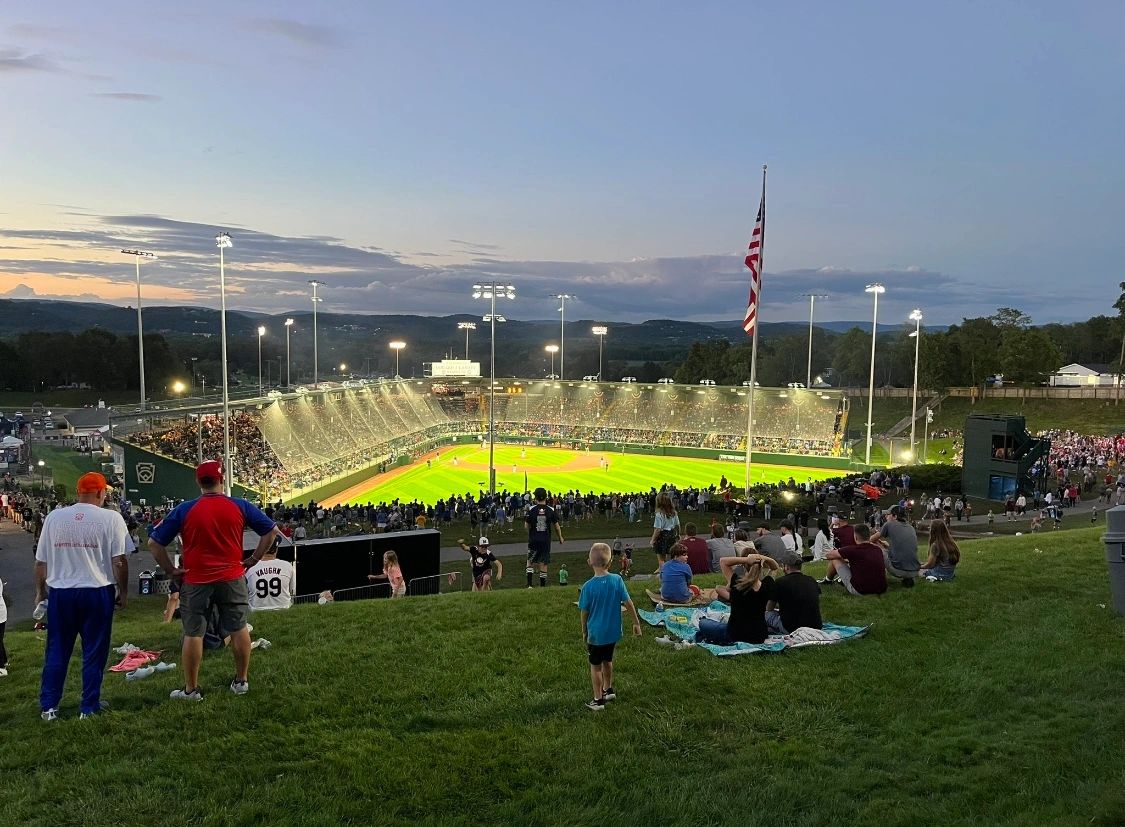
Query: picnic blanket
[[682, 622], [656, 598]]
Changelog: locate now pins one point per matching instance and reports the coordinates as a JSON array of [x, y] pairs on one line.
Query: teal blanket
[[681, 623]]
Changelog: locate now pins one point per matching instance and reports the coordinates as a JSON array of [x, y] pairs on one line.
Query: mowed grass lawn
[[547, 467], [995, 699]]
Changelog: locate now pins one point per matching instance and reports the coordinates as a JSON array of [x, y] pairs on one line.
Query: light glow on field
[[556, 469]]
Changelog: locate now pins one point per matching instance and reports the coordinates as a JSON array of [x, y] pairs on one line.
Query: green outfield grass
[[547, 467], [993, 700]]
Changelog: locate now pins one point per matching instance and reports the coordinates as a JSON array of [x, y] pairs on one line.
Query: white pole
[[562, 339], [871, 381], [288, 373], [754, 343], [316, 355], [492, 401], [808, 372], [914, 398], [227, 477], [466, 344], [926, 437], [140, 333], [259, 364]]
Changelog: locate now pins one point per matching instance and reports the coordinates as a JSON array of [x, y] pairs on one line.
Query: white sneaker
[[261, 643], [126, 648], [50, 714], [184, 695], [140, 674], [164, 667], [3, 672], [665, 641], [240, 687]]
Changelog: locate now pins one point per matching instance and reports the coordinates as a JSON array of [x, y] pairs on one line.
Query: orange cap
[[91, 482]]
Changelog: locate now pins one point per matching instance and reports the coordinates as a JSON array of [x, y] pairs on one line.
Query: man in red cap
[[210, 528], [81, 553]]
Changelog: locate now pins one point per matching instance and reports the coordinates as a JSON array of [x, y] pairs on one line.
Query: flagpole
[[754, 342]]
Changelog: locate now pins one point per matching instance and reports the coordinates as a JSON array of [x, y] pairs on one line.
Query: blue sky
[[967, 155]]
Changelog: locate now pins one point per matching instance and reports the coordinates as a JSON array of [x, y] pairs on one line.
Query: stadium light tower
[[223, 241], [316, 355], [466, 326], [137, 256], [600, 331], [874, 289], [812, 297], [491, 291], [397, 347], [261, 333], [562, 297], [288, 373], [916, 317], [552, 349]]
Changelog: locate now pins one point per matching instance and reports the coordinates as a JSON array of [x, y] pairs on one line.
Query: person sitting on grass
[[944, 554], [796, 600], [675, 576], [392, 573], [482, 560], [749, 595], [698, 555], [719, 545], [600, 602], [859, 567]]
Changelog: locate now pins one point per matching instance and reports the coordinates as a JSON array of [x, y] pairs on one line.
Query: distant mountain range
[[26, 315]]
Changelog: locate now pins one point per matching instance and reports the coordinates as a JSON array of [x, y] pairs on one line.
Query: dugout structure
[[1002, 458]]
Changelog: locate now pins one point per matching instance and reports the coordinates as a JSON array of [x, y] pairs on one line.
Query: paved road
[[518, 546]]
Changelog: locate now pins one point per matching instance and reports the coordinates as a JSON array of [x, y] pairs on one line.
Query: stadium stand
[[298, 442]]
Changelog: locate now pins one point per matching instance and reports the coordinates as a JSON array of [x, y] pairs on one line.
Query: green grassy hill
[[1083, 415], [991, 700]]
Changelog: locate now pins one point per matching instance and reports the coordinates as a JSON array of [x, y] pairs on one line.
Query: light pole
[[874, 289], [466, 326], [288, 373], [600, 331], [562, 297], [491, 291], [552, 349], [42, 473], [812, 306], [261, 333], [137, 256], [397, 347], [178, 387], [223, 241], [316, 356], [916, 316]]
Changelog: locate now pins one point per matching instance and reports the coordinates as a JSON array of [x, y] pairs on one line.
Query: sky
[[966, 155]]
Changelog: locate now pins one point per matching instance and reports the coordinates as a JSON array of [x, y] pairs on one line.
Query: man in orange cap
[[81, 553], [211, 528]]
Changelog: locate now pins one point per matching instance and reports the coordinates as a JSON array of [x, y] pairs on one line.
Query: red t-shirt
[[698, 555], [845, 535], [869, 573], [211, 530]]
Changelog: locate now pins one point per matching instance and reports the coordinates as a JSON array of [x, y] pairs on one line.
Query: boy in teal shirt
[[600, 602]]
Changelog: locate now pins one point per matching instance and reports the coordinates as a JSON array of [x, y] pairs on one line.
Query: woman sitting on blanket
[[944, 553], [742, 548], [749, 594]]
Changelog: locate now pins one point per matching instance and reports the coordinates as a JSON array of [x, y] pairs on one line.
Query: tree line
[[965, 354]]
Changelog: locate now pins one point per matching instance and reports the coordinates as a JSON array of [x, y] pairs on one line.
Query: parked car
[[589, 379], [747, 384], [796, 385], [274, 394], [301, 389], [665, 381], [708, 382], [628, 379]]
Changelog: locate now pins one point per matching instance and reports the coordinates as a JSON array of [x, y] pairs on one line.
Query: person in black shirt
[[749, 595], [482, 561], [539, 519], [795, 602]]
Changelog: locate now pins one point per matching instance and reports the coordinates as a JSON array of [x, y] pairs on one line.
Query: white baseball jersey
[[271, 585]]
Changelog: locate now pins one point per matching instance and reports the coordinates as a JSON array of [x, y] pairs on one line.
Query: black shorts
[[600, 654], [537, 553]]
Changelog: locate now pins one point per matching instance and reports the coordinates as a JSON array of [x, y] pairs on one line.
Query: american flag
[[754, 263]]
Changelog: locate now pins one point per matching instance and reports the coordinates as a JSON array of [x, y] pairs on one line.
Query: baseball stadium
[[425, 439]]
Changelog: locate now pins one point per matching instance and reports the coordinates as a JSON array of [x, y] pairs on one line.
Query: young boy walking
[[600, 602]]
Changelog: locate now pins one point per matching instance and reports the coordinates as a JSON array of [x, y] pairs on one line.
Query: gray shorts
[[230, 596], [895, 572], [844, 572]]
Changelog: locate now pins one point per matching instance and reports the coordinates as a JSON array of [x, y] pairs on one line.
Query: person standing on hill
[[539, 519], [213, 573], [79, 560]]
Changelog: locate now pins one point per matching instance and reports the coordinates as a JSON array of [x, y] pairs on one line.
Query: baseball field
[[464, 468]]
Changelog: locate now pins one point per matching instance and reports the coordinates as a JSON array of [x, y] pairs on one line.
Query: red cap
[[210, 470]]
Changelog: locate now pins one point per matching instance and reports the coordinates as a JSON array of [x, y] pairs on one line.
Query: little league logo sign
[[146, 473]]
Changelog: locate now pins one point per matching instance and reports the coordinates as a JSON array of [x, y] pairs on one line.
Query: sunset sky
[[967, 155]]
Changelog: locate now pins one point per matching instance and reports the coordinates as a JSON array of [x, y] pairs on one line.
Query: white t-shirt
[[271, 585], [3, 607], [78, 545]]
